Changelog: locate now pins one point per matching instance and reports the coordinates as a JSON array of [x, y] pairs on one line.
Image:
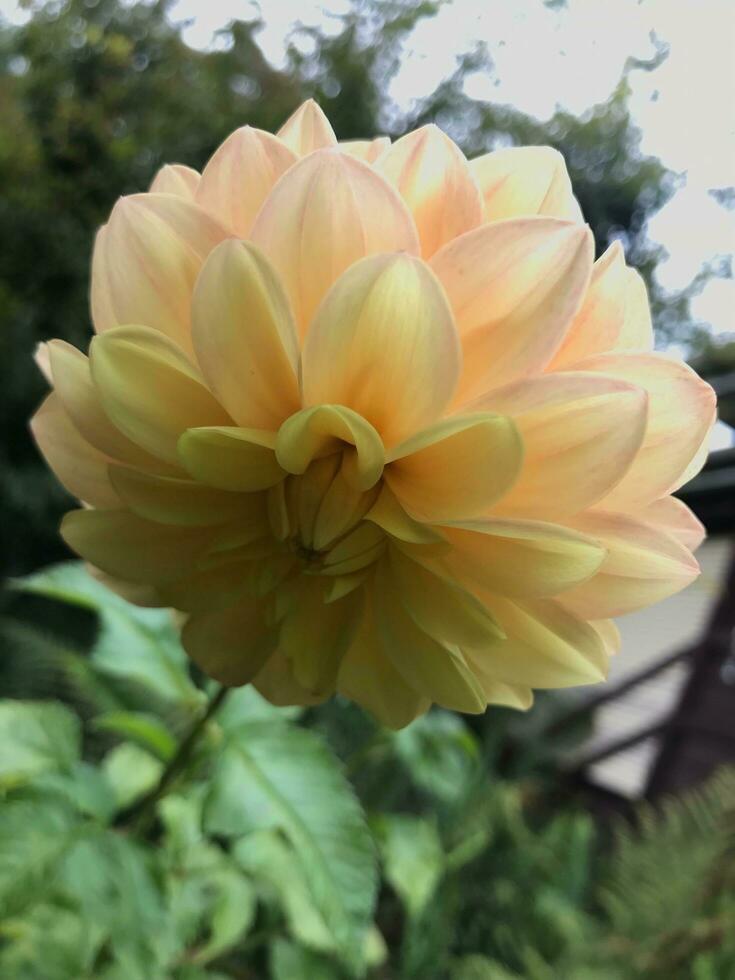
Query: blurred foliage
[[310, 845], [96, 94]]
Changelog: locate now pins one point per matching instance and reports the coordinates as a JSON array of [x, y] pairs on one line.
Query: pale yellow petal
[[457, 468], [239, 177], [327, 212], [514, 287], [42, 357], [359, 549], [307, 129], [384, 344], [365, 150], [230, 458], [580, 435], [276, 683], [150, 390], [231, 645], [389, 515], [244, 336], [518, 182], [170, 500], [175, 178], [433, 178], [203, 591], [636, 332], [673, 516]]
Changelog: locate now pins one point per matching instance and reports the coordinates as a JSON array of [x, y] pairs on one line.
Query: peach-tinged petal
[[231, 645], [673, 516], [146, 260], [42, 357], [681, 412], [230, 458], [170, 500], [327, 212], [432, 176], [150, 390], [384, 344], [514, 286], [520, 558], [132, 548], [239, 176], [636, 332], [519, 182], [643, 565], [388, 514], [307, 129], [79, 467], [580, 435], [457, 468], [175, 178], [366, 150], [244, 336]]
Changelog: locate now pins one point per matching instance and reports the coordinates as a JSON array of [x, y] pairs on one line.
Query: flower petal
[[327, 212], [276, 683], [81, 468], [518, 182], [673, 516], [170, 500], [150, 390], [239, 177], [514, 287], [244, 336], [433, 178], [579, 436], [231, 645], [175, 178], [307, 129], [637, 330], [231, 459], [457, 468], [365, 150], [643, 565], [681, 412], [146, 260], [388, 514], [384, 344]]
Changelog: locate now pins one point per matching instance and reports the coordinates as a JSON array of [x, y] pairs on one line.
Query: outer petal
[[673, 516], [276, 683], [384, 344], [643, 565], [522, 181], [131, 548], [150, 390], [580, 436], [327, 212], [146, 260], [307, 129], [239, 176], [513, 286], [457, 468], [230, 458], [433, 177], [681, 412], [175, 178], [79, 467], [170, 500], [365, 150], [520, 558], [244, 336], [637, 330], [231, 645]]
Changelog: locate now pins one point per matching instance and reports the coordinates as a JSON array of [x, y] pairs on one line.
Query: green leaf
[[244, 704], [144, 729], [35, 736], [277, 776], [413, 858], [232, 913], [84, 787], [440, 754], [48, 943], [131, 772], [292, 962]]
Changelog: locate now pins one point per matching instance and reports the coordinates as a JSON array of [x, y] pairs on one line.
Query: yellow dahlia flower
[[369, 415]]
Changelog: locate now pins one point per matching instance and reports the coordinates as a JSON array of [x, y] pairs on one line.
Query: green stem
[[139, 816]]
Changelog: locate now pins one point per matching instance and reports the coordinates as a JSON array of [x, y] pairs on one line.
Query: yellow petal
[[673, 516], [514, 287], [433, 178], [580, 436], [681, 412], [642, 566], [231, 645], [81, 468], [131, 548], [519, 182], [327, 212], [244, 336], [360, 548], [342, 507], [520, 558], [276, 683], [42, 357], [239, 176], [214, 588], [506, 695], [457, 468], [146, 261], [384, 344], [150, 390], [365, 150], [231, 459], [325, 429], [636, 332], [173, 501], [388, 514], [175, 178], [307, 129]]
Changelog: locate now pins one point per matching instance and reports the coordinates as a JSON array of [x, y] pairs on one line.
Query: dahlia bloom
[[371, 417]]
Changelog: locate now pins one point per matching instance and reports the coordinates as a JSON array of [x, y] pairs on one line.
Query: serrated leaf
[[231, 915], [35, 737], [244, 704], [84, 787], [277, 776], [440, 754], [143, 729], [413, 858], [131, 772]]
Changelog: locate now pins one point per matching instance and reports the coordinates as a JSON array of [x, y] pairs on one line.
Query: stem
[[140, 814]]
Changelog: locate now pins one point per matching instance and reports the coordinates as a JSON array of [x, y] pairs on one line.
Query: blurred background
[[499, 857]]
